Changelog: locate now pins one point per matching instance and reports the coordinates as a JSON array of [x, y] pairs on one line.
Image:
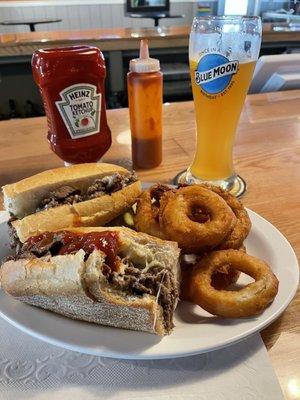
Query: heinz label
[[80, 109], [214, 73]]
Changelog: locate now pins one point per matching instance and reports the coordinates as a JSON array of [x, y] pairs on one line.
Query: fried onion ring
[[248, 301], [226, 276], [222, 278], [180, 212], [146, 217], [243, 224]]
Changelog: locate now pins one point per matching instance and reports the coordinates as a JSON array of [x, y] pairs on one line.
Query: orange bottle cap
[[144, 63]]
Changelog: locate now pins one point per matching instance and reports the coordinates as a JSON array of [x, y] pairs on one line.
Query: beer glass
[[222, 55]]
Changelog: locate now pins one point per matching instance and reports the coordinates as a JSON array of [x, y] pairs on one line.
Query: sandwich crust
[[76, 288], [98, 211], [56, 285], [22, 198]]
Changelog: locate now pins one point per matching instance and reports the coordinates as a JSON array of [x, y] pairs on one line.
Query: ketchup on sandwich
[[71, 82], [66, 242]]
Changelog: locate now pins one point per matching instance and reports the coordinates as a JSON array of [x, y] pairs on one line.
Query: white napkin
[[32, 369]]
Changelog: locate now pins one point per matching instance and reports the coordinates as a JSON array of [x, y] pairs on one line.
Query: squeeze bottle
[[145, 97]]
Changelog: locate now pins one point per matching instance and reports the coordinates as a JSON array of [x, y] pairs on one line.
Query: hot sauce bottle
[[71, 82], [145, 83]]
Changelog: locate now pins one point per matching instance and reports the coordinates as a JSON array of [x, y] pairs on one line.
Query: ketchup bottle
[[144, 84], [71, 82]]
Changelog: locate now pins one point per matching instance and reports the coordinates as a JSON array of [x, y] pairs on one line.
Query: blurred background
[[116, 26]]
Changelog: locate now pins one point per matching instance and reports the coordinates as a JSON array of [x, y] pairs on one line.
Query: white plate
[[195, 332]]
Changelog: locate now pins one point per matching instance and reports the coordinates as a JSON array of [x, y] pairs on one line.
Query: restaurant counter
[[120, 39], [119, 45]]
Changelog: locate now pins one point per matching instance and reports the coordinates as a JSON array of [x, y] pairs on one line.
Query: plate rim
[[167, 355]]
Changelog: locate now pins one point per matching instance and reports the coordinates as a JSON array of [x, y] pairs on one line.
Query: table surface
[[30, 21], [266, 153]]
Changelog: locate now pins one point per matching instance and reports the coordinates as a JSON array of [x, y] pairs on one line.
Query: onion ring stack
[[210, 226], [199, 217]]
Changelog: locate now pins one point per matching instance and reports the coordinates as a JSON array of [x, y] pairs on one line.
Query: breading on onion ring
[[226, 276], [248, 301], [243, 224], [147, 210], [222, 278], [195, 217]]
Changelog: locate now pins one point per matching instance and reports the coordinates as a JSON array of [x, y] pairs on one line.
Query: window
[[236, 7]]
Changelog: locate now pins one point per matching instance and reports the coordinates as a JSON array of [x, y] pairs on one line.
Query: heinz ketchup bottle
[[71, 82]]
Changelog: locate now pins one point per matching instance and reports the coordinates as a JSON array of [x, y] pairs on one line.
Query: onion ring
[[248, 301], [226, 276], [147, 211], [222, 278], [243, 224], [177, 218]]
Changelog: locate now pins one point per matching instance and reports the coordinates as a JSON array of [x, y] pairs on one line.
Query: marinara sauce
[[66, 242], [71, 82]]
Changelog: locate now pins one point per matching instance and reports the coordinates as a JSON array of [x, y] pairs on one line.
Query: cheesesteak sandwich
[[111, 276], [80, 195]]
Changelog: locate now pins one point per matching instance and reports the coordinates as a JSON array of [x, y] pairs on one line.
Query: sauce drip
[[66, 242]]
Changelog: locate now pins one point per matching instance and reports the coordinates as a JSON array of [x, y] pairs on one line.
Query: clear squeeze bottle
[[145, 91]]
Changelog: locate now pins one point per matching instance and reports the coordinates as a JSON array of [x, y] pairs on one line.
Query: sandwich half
[[111, 276], [80, 195]]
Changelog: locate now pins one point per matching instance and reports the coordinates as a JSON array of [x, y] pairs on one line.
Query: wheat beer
[[222, 54], [217, 115]]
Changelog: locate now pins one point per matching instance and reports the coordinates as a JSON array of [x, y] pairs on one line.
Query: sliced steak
[[64, 192], [42, 247], [46, 244], [96, 189], [63, 195], [14, 239], [109, 184], [69, 195], [156, 281]]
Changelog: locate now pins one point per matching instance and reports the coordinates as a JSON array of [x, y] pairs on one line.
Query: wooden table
[[267, 155]]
